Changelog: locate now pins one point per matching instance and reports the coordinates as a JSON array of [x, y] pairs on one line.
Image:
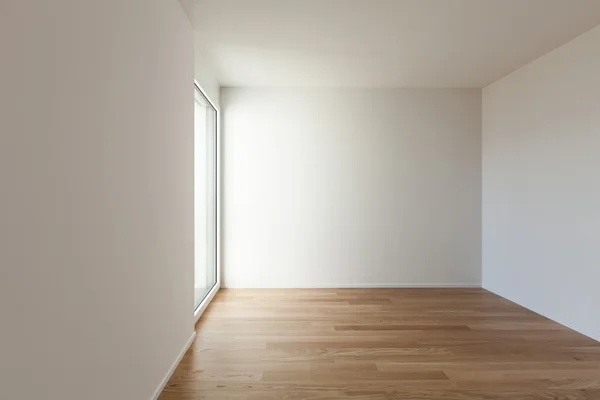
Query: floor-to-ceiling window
[[205, 155]]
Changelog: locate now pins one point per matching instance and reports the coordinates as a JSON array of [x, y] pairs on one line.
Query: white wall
[[541, 185], [351, 187], [96, 180]]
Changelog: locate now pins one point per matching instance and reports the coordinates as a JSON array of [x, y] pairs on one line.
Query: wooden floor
[[382, 344]]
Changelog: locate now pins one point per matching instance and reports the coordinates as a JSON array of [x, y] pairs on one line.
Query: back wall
[[351, 187]]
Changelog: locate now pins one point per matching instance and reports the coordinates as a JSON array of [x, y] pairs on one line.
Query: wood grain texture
[[419, 344]]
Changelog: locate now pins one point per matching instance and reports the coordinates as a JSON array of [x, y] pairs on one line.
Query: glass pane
[[205, 149]]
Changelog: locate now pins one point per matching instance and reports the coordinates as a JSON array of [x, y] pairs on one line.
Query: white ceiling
[[380, 43]]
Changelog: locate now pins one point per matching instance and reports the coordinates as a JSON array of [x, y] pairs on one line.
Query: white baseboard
[[365, 286], [173, 367]]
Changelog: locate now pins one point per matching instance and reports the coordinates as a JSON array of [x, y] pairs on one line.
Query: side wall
[[541, 185], [333, 188], [97, 211]]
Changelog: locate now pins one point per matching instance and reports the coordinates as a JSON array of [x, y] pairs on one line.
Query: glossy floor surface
[[382, 344]]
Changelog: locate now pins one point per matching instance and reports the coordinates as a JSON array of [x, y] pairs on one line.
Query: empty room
[[300, 199]]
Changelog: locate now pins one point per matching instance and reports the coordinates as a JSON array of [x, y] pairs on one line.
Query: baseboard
[[364, 286], [173, 367]]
